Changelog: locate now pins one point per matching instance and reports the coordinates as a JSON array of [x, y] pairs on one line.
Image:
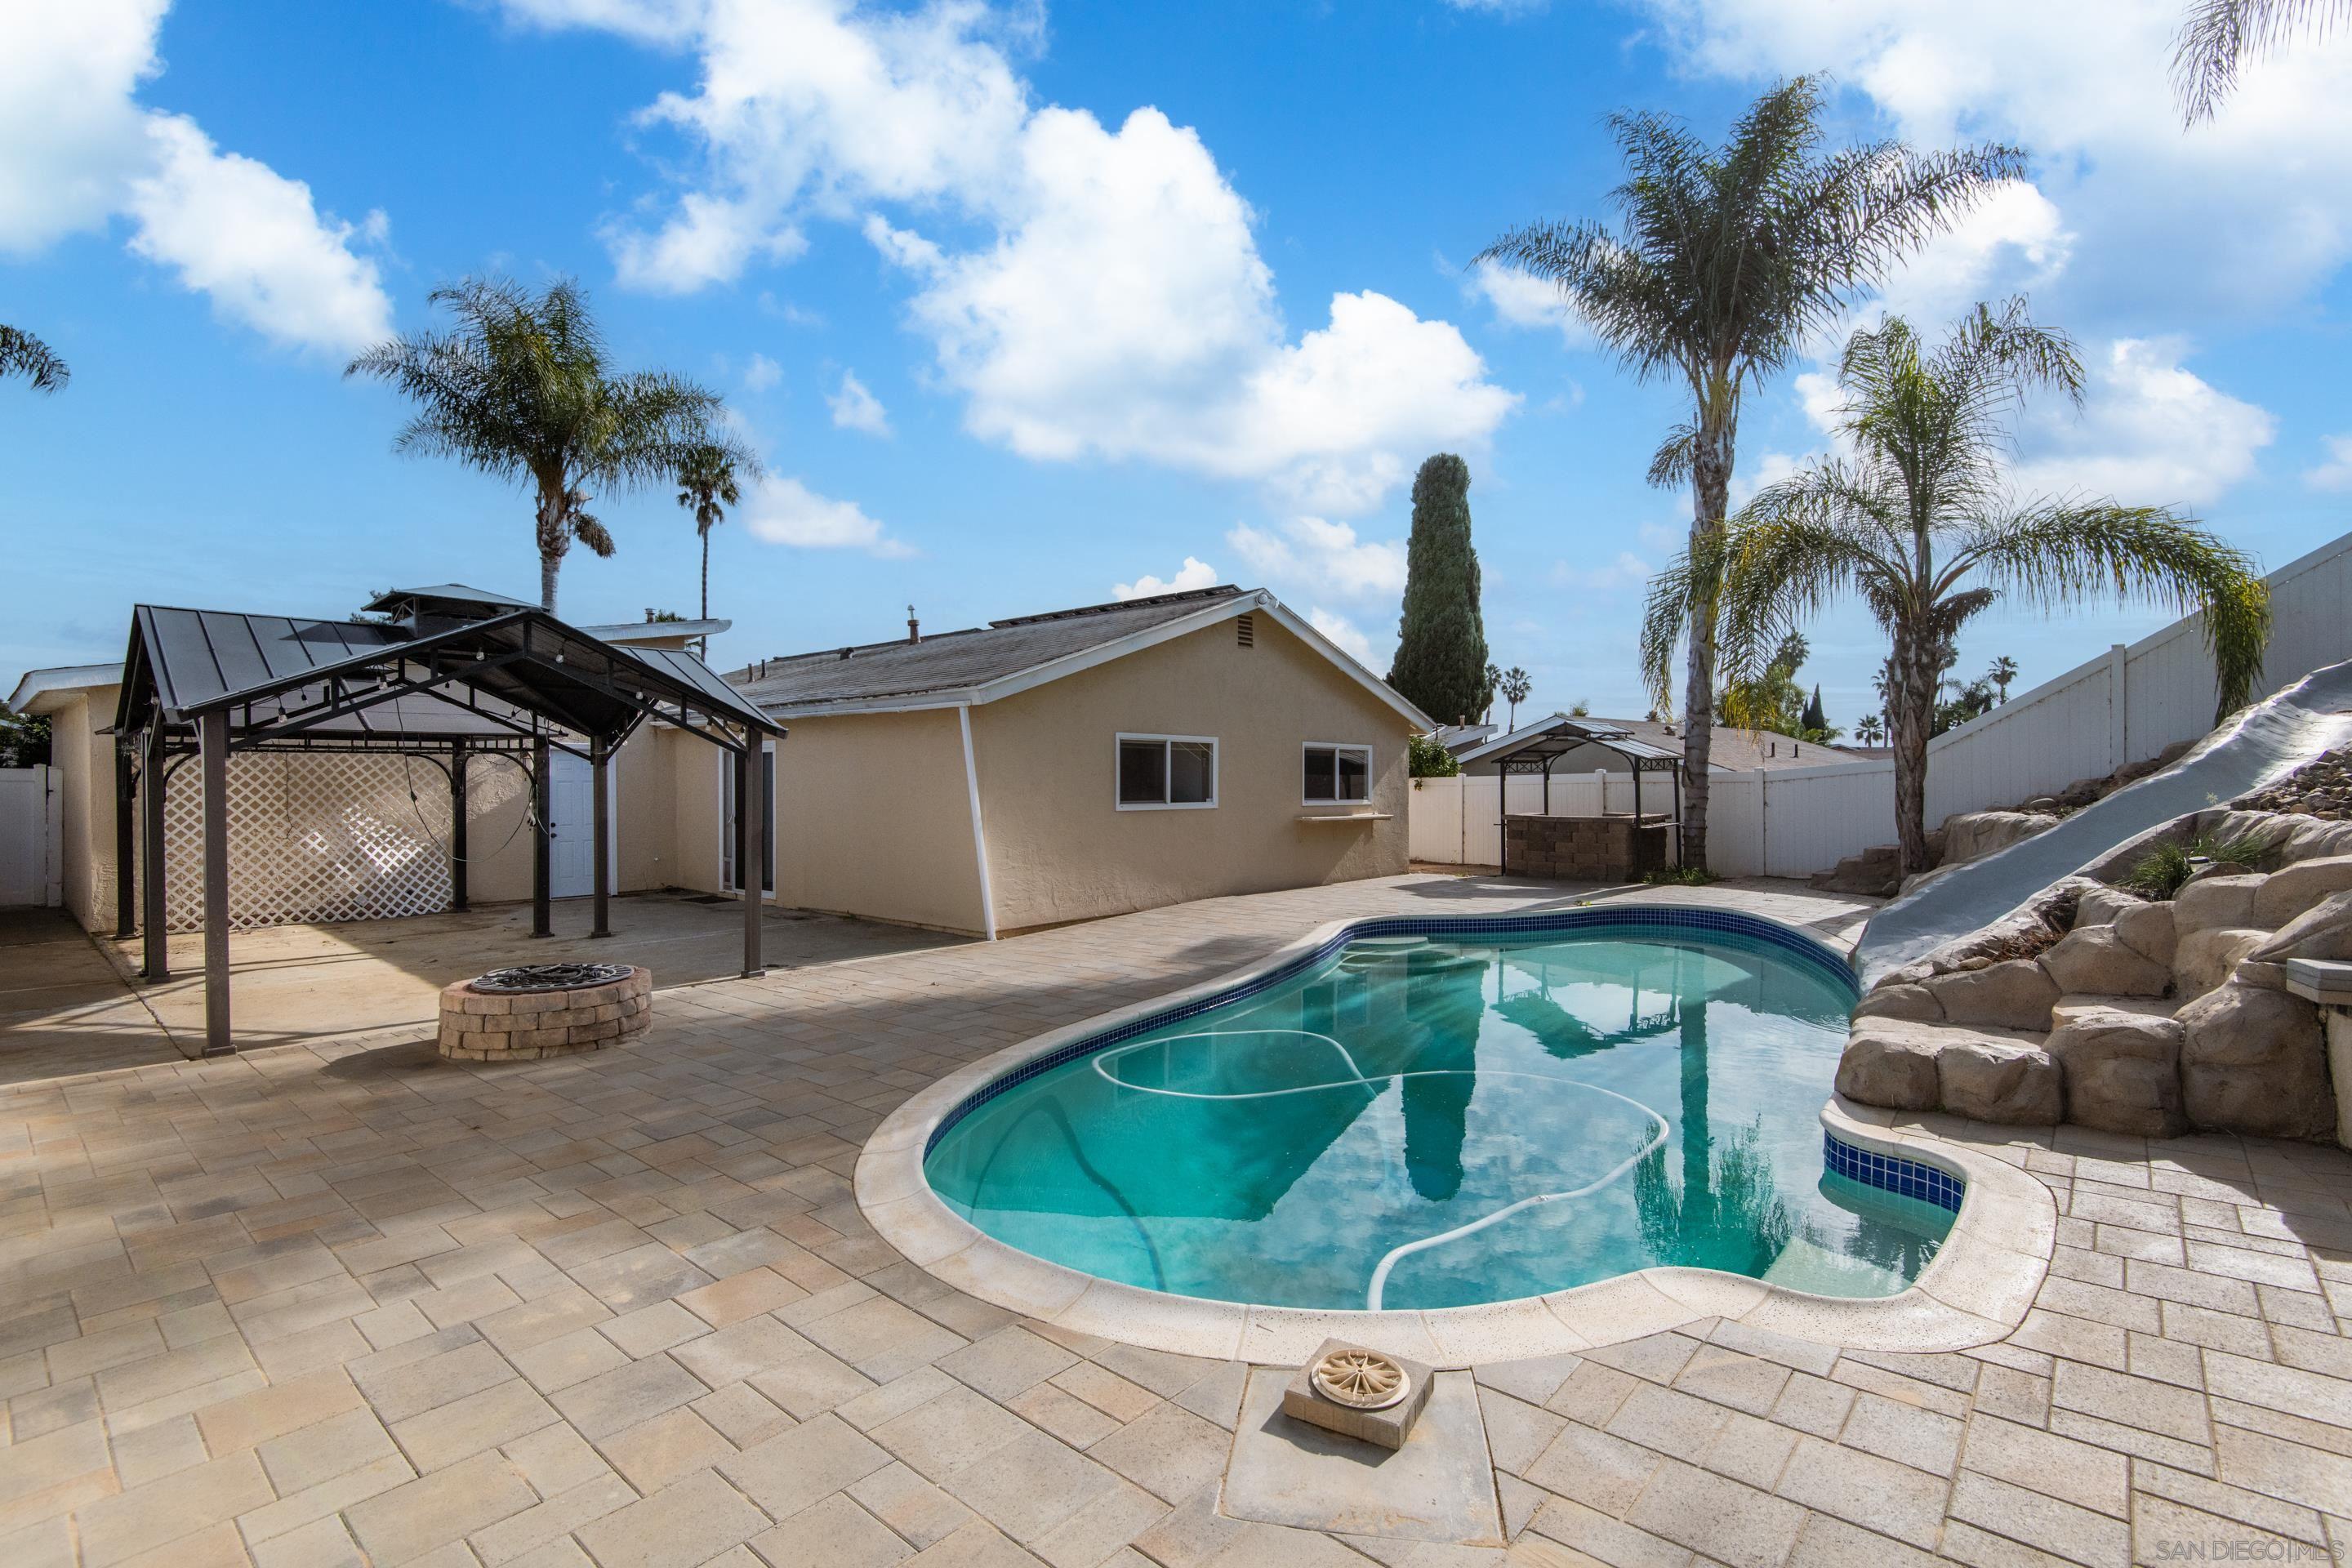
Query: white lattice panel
[[316, 836]]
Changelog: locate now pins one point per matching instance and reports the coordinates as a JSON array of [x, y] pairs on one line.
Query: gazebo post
[[600, 768], [156, 963], [458, 826], [751, 859], [541, 923], [126, 831], [213, 742]]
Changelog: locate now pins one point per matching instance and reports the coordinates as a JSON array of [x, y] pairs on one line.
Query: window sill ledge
[[1347, 817]]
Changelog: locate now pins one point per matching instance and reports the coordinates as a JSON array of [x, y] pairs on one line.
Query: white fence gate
[[32, 867]]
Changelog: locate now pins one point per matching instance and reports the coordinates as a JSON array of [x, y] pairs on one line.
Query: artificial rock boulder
[[2255, 1061], [2288, 892], [2206, 958], [2122, 1070], [2210, 903], [2000, 1078], [2324, 931], [1890, 1062], [2095, 960], [1972, 836], [2101, 905], [1901, 1002], [2146, 929], [2015, 995]]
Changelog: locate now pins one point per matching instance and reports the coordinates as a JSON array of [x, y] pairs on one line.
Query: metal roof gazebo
[[1538, 748], [450, 673]]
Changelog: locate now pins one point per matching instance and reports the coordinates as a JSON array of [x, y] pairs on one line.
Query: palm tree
[[1729, 261], [1918, 525], [2003, 671], [22, 353], [707, 487], [1869, 729], [1514, 687], [523, 390], [2218, 38]]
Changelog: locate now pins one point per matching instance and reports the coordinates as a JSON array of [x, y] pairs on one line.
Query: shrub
[[1428, 759], [1681, 877], [2160, 873]]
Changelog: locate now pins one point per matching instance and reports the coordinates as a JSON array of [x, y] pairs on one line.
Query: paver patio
[[347, 1304]]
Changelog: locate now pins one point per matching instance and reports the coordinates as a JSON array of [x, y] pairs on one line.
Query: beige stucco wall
[[873, 819], [1060, 851], [84, 761]]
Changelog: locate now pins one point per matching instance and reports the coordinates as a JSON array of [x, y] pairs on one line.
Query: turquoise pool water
[[1416, 1121]]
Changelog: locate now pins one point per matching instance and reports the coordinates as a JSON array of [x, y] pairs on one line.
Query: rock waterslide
[[2027, 988]]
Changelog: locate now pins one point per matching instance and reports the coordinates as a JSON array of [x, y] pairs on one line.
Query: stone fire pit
[[544, 1010]]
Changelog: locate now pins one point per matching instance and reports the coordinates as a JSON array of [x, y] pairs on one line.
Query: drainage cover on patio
[[551, 977]]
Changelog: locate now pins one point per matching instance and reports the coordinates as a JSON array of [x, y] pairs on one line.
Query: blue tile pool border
[[1911, 1178], [1629, 918]]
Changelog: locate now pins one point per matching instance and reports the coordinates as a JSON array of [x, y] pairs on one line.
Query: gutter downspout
[[978, 833]]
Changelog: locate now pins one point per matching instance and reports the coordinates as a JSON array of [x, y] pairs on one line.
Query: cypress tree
[[1816, 719], [1440, 658]]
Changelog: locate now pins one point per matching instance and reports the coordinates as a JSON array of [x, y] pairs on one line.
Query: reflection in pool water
[[1439, 1122]]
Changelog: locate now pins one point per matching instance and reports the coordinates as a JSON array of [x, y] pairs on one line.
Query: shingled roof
[[981, 663]]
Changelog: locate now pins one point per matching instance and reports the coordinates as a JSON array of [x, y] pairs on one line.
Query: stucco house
[[1078, 763], [1037, 770]]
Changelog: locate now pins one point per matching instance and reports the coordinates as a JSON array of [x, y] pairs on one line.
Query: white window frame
[[1216, 763], [1304, 747]]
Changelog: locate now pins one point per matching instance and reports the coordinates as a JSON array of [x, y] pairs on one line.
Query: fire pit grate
[[532, 977]]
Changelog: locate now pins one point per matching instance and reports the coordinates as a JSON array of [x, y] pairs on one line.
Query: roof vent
[[1245, 630], [913, 626]]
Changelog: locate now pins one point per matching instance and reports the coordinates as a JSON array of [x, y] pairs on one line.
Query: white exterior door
[[31, 869], [572, 826]]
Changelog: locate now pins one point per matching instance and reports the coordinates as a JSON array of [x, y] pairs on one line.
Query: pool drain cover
[[1361, 1380]]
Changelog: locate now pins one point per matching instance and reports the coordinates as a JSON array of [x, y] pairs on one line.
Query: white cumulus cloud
[[760, 373], [1325, 556], [783, 510], [81, 150], [2336, 473], [2240, 215], [254, 242], [855, 408], [1520, 298], [1194, 573], [1091, 292], [2151, 432], [1348, 635]]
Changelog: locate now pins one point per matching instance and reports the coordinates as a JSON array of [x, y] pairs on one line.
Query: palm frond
[[22, 353], [2218, 38], [2060, 554]]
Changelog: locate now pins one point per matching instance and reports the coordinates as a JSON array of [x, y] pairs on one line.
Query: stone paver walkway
[[350, 1304]]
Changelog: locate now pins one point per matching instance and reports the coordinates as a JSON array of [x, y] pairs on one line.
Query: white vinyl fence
[[2125, 706], [31, 868]]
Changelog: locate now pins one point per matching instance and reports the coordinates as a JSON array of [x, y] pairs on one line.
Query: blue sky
[[1027, 306]]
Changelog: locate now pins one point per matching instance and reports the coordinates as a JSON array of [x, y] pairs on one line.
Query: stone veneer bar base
[[500, 1026], [1585, 848]]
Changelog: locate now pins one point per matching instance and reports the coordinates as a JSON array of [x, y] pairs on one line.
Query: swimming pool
[[1431, 1113]]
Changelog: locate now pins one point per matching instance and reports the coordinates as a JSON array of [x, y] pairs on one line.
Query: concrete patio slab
[[342, 1297]]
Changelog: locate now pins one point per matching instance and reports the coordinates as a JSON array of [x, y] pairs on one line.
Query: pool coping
[[1977, 1290]]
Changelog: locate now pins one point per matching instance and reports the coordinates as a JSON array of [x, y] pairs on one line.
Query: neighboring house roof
[[1731, 750], [1459, 736], [42, 690], [961, 669]]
